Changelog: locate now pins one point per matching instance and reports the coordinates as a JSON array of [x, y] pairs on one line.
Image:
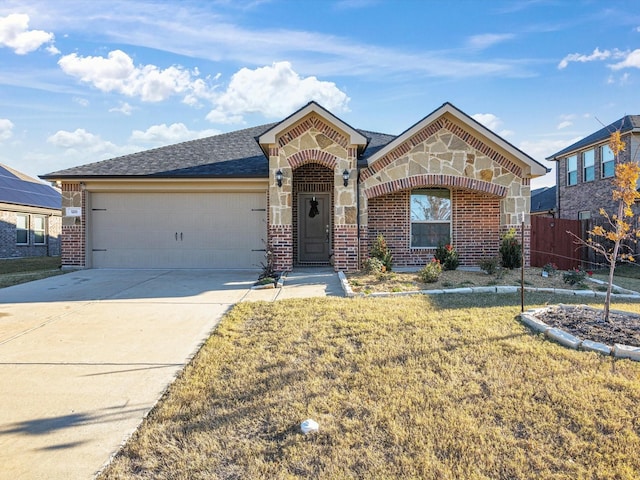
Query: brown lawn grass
[[21, 270], [445, 387]]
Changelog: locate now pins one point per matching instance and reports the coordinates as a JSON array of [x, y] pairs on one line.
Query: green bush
[[380, 250], [574, 277], [431, 271], [510, 250], [448, 256], [489, 265], [373, 265]]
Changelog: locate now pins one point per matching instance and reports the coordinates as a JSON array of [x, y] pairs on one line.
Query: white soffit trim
[[537, 169], [269, 137]]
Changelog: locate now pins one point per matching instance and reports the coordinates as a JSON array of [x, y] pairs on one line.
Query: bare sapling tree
[[612, 240]]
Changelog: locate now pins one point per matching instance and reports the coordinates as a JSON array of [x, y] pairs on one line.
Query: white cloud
[[273, 91], [487, 40], [165, 135], [489, 120], [541, 149], [124, 108], [15, 34], [597, 55], [81, 140], [6, 129], [117, 73], [564, 124], [83, 102], [631, 60]]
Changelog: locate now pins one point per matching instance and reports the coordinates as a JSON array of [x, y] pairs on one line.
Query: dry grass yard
[[446, 387]]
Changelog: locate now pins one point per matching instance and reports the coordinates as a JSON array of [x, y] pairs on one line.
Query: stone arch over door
[[312, 179]]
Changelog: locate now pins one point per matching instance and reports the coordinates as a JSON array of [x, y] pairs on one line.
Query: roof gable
[[628, 123], [19, 189], [481, 139], [353, 136]]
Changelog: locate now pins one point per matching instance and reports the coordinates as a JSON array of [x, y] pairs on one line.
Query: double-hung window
[[39, 230], [430, 217], [608, 161], [22, 229], [572, 170], [588, 166]]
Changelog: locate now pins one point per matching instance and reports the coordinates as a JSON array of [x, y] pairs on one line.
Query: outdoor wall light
[[279, 177], [345, 177]]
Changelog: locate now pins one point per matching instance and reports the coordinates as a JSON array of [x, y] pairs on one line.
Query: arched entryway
[[312, 214]]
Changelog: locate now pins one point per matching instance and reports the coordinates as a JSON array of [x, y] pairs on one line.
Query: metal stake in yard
[[522, 265]]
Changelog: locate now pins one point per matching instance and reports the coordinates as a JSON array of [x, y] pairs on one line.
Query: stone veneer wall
[[489, 196], [475, 227], [73, 232], [312, 140]]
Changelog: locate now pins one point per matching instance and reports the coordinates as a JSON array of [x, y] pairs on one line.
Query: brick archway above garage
[[419, 181]]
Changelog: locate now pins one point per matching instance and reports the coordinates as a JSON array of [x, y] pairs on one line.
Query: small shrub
[[489, 265], [380, 250], [267, 267], [448, 256], [373, 265], [431, 271], [510, 250], [574, 277], [550, 268]]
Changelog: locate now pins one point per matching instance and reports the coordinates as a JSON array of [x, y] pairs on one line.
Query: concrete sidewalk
[[85, 356], [301, 283]]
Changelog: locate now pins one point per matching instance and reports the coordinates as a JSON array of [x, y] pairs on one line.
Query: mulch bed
[[589, 324]]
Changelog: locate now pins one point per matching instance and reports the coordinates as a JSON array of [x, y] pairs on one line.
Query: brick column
[[281, 245], [73, 228], [346, 248]]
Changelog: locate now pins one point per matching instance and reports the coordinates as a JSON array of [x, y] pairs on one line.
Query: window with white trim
[[22, 229], [572, 170], [39, 230], [588, 166], [430, 217], [608, 161]]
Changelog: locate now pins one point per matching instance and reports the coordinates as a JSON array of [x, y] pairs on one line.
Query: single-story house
[[311, 189], [30, 216]]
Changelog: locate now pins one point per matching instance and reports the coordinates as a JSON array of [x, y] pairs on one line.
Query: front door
[[314, 228]]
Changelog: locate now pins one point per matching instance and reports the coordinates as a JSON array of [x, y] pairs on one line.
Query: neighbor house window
[[584, 215], [22, 229], [430, 217], [588, 168], [608, 161], [572, 170], [39, 230]]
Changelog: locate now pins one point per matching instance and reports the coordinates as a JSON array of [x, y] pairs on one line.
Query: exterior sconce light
[[345, 177], [279, 176]]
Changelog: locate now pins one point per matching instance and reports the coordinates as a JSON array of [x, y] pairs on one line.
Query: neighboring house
[[543, 201], [30, 217], [585, 170], [311, 189]]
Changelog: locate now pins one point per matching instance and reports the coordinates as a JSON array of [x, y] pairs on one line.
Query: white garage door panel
[[178, 230]]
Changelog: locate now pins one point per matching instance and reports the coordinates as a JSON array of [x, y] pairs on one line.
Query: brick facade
[[590, 196], [8, 236], [475, 227], [73, 228]]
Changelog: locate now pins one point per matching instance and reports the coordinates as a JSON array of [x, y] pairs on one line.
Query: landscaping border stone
[[529, 317]]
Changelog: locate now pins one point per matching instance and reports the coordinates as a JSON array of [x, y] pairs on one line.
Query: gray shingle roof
[[543, 199], [19, 189], [625, 124], [228, 155]]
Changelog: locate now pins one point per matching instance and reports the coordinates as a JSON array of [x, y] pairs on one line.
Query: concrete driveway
[[85, 356]]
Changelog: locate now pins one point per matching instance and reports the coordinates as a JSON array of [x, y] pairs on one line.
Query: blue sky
[[84, 81]]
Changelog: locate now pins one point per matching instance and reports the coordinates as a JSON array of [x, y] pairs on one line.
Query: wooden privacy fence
[[550, 242]]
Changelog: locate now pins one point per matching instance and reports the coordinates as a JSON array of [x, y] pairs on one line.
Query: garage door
[[178, 230]]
